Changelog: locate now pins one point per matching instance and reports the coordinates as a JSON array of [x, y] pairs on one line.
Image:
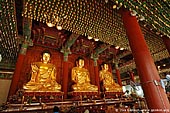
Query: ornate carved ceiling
[[86, 18]]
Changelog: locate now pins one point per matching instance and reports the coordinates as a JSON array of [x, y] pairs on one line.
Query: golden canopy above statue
[[43, 75]]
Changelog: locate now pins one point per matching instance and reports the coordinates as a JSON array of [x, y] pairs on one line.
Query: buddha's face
[[46, 57], [105, 67], [81, 63]]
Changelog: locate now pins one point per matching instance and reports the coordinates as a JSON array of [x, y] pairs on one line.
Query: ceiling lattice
[[90, 18], [8, 32], [155, 13]]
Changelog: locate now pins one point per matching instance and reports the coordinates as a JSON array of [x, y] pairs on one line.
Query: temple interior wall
[[33, 55]]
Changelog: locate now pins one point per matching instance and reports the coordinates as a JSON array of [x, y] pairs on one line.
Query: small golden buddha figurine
[[107, 79], [81, 78], [43, 75]]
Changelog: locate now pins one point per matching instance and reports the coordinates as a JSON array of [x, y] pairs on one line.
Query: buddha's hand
[[34, 68], [48, 80], [74, 81]]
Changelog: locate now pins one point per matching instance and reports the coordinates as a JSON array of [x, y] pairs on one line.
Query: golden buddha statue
[[81, 78], [43, 75], [107, 79]]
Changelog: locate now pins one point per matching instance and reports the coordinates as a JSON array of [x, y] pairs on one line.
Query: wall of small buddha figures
[[34, 55]]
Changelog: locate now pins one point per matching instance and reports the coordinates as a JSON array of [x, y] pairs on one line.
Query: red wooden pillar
[[132, 76], [118, 77], [65, 75], [18, 68], [166, 41], [27, 24], [65, 78], [155, 96], [96, 70]]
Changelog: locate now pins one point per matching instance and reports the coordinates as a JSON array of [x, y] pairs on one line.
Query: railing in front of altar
[[73, 106]]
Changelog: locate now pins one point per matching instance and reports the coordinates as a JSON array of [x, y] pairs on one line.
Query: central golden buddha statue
[[81, 77], [107, 79], [43, 75]]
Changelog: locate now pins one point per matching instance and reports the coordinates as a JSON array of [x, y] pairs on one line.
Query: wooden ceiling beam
[[99, 50]]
